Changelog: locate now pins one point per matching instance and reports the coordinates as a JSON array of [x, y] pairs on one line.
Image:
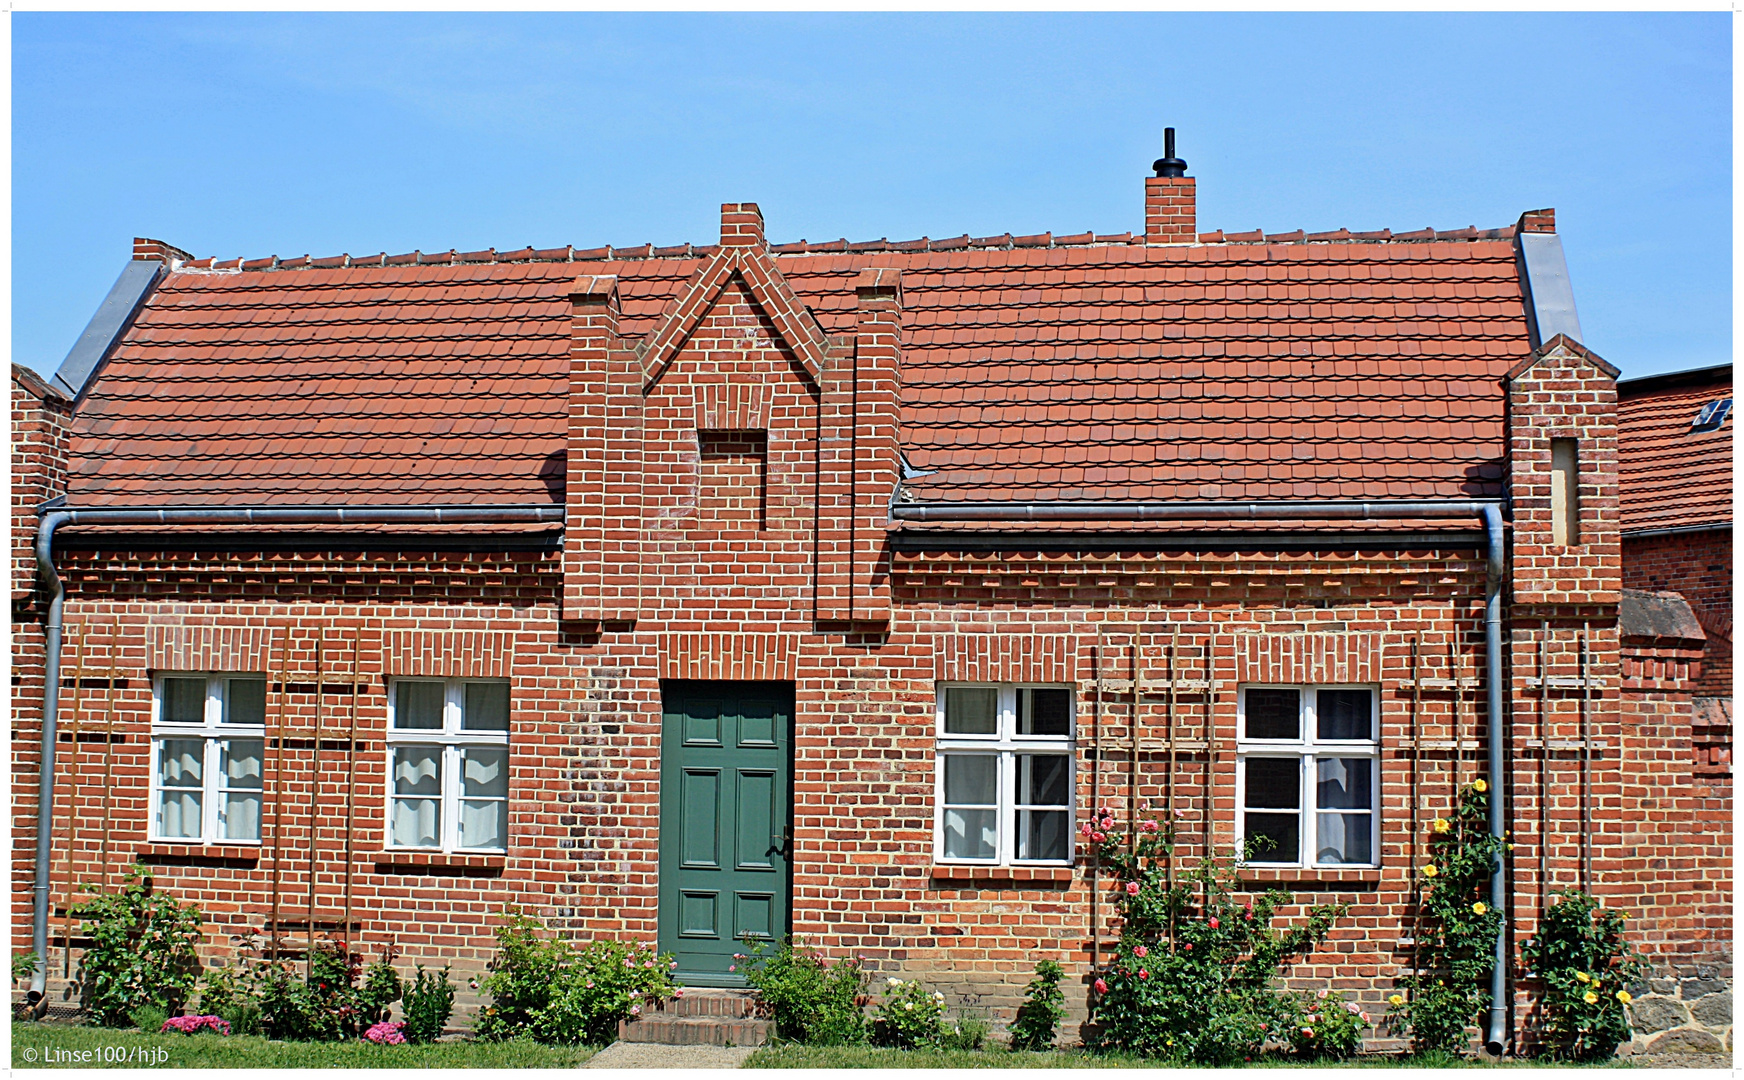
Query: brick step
[[705, 1001], [694, 1031]]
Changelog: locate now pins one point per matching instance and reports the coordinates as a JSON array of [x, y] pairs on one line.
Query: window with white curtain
[[1308, 775], [448, 764], [208, 750], [1004, 777]]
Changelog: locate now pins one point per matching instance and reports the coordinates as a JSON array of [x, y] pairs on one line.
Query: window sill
[[439, 862], [1311, 876], [1001, 873], [162, 853]]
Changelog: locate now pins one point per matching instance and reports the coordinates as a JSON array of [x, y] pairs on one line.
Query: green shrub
[[812, 1001], [144, 951], [966, 1033], [1586, 968], [25, 965], [148, 1018], [1456, 930], [523, 975], [382, 987], [1191, 977], [545, 989], [428, 1003], [1327, 1026], [909, 1017], [1038, 1018]]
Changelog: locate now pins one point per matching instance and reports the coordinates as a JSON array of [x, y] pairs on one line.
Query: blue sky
[[254, 135]]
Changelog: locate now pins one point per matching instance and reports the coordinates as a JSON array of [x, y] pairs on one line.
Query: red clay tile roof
[[1671, 477], [1033, 367]]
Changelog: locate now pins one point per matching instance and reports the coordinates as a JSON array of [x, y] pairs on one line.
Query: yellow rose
[[1581, 976], [1440, 825], [1398, 999], [1623, 996], [1590, 998], [1479, 908], [1480, 787], [1429, 870]]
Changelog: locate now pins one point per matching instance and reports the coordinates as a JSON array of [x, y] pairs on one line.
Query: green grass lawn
[[789, 1056], [71, 1046]]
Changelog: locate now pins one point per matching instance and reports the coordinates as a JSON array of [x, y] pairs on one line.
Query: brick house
[[685, 593]]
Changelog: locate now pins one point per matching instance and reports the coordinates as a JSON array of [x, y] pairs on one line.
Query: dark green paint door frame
[[726, 812]]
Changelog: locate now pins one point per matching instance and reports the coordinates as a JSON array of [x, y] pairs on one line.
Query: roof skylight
[[1713, 414]]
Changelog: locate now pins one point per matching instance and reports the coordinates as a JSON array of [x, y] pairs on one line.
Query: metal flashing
[[112, 319], [1549, 294]]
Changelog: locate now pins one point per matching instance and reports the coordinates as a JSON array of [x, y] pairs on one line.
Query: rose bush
[[1191, 978], [1327, 1026], [1585, 967], [812, 1001], [1456, 930], [546, 989], [909, 1016]]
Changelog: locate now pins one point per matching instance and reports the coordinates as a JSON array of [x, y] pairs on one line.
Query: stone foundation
[[1689, 1015]]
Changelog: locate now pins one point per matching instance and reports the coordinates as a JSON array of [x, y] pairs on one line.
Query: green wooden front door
[[725, 809]]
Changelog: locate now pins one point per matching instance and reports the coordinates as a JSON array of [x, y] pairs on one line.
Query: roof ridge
[[1003, 242]]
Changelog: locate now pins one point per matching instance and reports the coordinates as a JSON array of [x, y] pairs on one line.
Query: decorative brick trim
[[1004, 658], [436, 862], [1002, 873], [448, 654], [1308, 658], [728, 657], [731, 407], [210, 648], [1309, 878]]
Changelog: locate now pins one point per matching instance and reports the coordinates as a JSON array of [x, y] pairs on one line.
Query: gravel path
[[622, 1055]]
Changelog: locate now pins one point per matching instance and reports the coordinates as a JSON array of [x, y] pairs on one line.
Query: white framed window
[[1004, 774], [448, 764], [208, 752], [1308, 775]]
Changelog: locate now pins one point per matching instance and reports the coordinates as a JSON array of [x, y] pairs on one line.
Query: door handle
[[778, 844]]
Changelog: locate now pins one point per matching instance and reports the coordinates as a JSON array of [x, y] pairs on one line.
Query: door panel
[[725, 814], [700, 813], [753, 845]]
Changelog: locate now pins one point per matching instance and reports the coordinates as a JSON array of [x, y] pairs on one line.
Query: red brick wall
[[1698, 566]]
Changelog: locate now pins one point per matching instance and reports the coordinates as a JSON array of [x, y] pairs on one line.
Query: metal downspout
[[298, 515], [51, 700], [1494, 567]]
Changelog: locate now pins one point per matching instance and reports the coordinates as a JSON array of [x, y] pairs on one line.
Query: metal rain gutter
[[1185, 511], [1494, 575], [53, 517]]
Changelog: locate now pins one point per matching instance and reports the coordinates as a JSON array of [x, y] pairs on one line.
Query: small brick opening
[[732, 487]]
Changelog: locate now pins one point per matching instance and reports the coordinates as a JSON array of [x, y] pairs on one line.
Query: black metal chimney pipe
[[1169, 164]]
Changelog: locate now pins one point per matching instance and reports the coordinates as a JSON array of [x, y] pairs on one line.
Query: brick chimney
[[158, 251], [1171, 214], [741, 225]]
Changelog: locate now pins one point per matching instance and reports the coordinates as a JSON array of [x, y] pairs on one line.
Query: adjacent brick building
[[822, 588]]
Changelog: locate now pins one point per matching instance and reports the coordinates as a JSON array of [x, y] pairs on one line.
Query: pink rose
[[1188, 946], [1143, 974], [1101, 987], [1213, 924], [1141, 952], [1132, 888], [1098, 837], [1321, 994], [1108, 823]]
